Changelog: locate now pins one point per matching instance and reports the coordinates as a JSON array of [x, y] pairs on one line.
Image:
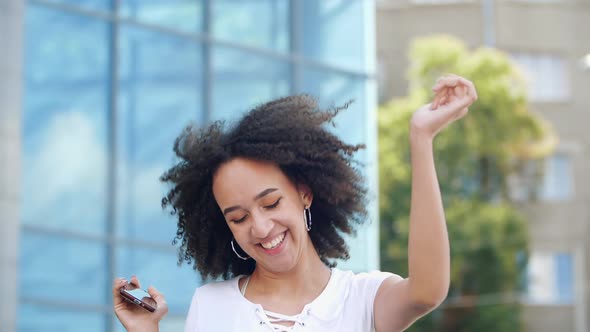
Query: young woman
[[264, 205]]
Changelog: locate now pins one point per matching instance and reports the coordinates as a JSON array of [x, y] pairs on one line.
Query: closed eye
[[237, 221], [273, 205]]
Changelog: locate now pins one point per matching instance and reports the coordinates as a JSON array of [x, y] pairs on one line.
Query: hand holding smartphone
[[134, 294], [136, 309]]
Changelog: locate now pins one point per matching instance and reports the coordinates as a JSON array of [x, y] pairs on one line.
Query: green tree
[[475, 158]]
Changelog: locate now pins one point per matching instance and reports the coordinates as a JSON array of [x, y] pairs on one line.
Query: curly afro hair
[[288, 132]]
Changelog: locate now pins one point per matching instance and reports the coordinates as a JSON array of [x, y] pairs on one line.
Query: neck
[[305, 281]]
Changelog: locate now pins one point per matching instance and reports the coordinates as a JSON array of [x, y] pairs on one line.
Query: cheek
[[235, 230]]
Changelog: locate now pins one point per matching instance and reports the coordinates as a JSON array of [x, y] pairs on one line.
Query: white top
[[346, 304]]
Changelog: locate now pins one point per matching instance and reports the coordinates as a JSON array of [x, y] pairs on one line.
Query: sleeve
[[367, 285], [371, 281], [192, 316]]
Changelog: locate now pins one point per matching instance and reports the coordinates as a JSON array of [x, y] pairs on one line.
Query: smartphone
[[138, 296]]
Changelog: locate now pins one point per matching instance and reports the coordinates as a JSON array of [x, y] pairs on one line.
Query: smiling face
[[264, 211]]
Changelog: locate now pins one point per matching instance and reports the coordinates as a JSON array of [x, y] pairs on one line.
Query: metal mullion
[[109, 239], [112, 162], [65, 7]]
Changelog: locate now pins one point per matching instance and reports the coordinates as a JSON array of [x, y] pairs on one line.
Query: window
[[549, 179], [64, 138], [547, 76], [550, 278], [557, 181], [108, 89]]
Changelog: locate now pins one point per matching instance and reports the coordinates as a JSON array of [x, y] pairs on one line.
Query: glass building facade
[[107, 87]]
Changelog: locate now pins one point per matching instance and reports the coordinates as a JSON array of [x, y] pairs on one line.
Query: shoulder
[[217, 289], [348, 286], [365, 281], [349, 298], [209, 303]]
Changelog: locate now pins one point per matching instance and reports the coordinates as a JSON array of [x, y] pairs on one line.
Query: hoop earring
[[234, 249], [307, 218]]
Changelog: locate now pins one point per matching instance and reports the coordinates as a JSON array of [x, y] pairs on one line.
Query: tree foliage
[[475, 158]]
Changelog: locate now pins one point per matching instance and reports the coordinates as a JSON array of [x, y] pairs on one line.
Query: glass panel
[[242, 80], [33, 318], [261, 23], [565, 277], [54, 268], [557, 178], [159, 268], [334, 89], [547, 76], [65, 120], [186, 15], [333, 31], [550, 278], [102, 5], [160, 93]]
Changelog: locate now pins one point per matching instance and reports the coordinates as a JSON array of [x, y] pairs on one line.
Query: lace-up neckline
[[273, 319]]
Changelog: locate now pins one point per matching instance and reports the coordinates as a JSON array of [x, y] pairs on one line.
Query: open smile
[[274, 246]]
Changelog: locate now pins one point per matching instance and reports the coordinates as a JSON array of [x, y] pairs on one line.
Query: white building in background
[[547, 39]]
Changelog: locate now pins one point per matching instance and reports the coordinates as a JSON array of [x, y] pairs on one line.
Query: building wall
[[538, 27]]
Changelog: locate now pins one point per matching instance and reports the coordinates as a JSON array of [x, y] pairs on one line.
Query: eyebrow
[[257, 197]]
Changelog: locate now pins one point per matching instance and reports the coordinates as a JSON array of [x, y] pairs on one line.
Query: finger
[[459, 91], [443, 100], [471, 91], [452, 109], [135, 281], [117, 284], [162, 305], [451, 97], [447, 81], [436, 99], [444, 77]]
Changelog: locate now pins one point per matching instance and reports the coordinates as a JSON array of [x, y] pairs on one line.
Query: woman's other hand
[[133, 317], [454, 95]]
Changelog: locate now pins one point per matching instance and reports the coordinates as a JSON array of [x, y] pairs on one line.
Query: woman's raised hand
[[133, 317], [453, 96]]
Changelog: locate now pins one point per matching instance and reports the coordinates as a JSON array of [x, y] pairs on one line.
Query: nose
[[261, 226]]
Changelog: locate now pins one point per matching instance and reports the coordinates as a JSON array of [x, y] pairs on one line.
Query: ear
[[305, 194]]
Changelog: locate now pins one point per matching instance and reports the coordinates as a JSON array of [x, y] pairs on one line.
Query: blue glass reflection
[[333, 31], [61, 269], [35, 318], [565, 277], [260, 23], [160, 82], [101, 5], [183, 15], [159, 268], [241, 80], [64, 120], [335, 89]]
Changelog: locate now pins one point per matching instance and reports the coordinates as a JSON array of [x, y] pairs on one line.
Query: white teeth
[[275, 242]]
